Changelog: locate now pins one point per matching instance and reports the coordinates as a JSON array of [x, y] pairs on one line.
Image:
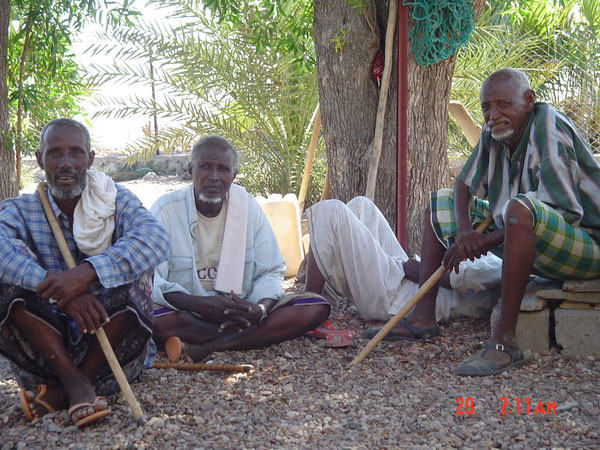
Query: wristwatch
[[264, 315]]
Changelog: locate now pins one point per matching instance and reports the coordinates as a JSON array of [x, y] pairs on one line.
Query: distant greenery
[[43, 79], [556, 42], [235, 70]]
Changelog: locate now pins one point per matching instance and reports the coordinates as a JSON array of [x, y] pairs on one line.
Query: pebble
[[303, 395]]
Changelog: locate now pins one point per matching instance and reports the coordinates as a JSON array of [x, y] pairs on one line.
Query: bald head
[[521, 82]]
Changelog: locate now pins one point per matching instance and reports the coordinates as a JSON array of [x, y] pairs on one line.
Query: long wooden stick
[[99, 332], [381, 106], [200, 366], [310, 156], [433, 279]]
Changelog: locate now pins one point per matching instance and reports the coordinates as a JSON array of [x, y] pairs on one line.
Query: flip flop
[[321, 331], [173, 348], [478, 366], [38, 399], [89, 418], [338, 339], [417, 333]]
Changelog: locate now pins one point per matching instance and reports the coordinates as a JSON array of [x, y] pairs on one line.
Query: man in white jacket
[[220, 288]]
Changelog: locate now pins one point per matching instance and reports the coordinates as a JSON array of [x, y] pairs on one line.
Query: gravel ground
[[303, 395]]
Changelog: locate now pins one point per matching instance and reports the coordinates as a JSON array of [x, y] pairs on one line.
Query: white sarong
[[360, 258]]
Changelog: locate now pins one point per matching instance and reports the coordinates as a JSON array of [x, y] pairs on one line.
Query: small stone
[[155, 422]]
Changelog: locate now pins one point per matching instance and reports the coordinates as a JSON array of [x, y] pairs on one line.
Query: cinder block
[[533, 328], [577, 331]]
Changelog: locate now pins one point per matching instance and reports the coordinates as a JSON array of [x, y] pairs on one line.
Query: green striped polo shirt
[[552, 163]]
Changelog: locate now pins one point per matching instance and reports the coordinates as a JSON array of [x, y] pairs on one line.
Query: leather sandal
[[478, 366]]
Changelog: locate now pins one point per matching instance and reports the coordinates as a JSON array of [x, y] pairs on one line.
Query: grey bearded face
[[205, 199], [71, 193]]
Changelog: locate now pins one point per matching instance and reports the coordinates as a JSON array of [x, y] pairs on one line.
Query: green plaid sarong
[[562, 251]]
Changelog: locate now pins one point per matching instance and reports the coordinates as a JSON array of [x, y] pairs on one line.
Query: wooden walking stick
[[200, 366], [100, 334], [433, 279]]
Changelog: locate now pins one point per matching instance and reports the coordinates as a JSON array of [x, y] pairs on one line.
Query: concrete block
[[533, 328], [577, 331]]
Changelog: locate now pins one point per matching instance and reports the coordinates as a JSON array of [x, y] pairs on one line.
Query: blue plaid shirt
[[139, 243]]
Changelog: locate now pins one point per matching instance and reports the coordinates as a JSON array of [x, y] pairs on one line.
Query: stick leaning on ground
[[100, 334], [433, 279]]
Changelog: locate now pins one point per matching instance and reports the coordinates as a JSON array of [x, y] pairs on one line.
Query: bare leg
[[432, 252], [185, 326], [518, 258], [314, 278], [75, 386], [282, 324]]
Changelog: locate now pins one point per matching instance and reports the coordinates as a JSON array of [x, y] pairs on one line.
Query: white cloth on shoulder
[[230, 272], [94, 216]]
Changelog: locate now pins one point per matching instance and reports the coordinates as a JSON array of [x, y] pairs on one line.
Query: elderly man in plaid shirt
[[48, 313], [542, 186]]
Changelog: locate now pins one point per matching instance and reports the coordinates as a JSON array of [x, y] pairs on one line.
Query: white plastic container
[[283, 213]]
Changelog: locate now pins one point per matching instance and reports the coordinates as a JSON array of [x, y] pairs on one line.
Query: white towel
[[94, 217], [230, 273]]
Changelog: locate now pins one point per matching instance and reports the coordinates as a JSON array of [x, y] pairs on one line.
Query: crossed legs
[[76, 382], [286, 322]]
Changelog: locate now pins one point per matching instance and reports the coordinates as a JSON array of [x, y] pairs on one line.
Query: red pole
[[401, 177]]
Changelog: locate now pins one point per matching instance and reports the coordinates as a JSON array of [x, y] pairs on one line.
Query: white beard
[[204, 199], [64, 195]]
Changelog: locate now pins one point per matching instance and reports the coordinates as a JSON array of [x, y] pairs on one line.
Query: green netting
[[441, 28]]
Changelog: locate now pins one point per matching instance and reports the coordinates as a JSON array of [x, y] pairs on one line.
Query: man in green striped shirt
[[542, 186]]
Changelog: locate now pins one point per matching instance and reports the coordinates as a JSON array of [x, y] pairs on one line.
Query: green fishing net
[[441, 28]]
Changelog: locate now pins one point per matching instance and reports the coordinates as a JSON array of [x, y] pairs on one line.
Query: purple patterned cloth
[[30, 367]]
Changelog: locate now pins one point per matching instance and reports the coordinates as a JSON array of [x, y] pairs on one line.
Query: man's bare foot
[[197, 352], [45, 400], [81, 392]]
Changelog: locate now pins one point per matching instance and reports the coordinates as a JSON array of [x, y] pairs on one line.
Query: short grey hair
[[215, 141], [64, 122], [508, 73]]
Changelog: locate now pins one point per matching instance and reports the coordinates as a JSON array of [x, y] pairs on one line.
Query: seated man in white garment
[[354, 251], [220, 288]]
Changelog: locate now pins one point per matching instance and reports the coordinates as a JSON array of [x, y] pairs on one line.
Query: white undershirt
[[209, 238]]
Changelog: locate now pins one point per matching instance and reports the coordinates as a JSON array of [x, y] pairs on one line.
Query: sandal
[[417, 333], [338, 339], [478, 366], [38, 399], [321, 331], [91, 417], [173, 348]]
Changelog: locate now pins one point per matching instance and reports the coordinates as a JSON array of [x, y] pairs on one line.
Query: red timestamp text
[[517, 406], [526, 406], [465, 406]]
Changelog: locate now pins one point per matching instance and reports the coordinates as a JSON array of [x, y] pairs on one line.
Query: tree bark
[[348, 100], [8, 182], [346, 42]]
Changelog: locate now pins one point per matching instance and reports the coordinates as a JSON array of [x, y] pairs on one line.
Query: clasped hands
[[68, 289], [233, 313]]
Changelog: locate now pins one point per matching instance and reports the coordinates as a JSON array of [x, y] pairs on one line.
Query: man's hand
[[86, 311], [469, 244], [412, 268], [241, 314], [65, 286]]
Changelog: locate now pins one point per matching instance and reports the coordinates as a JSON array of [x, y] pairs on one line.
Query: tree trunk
[[8, 183], [346, 42], [348, 100]]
